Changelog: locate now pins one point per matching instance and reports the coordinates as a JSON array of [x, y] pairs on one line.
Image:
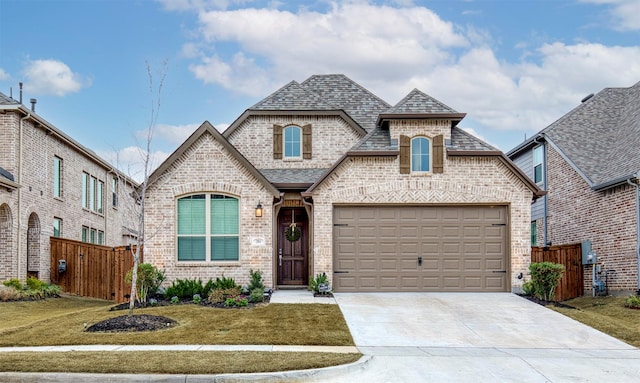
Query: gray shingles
[[6, 100], [293, 97], [417, 102], [463, 141], [292, 176], [602, 135]]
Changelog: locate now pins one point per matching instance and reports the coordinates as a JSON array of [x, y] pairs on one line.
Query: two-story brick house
[[50, 185], [588, 161], [325, 177]]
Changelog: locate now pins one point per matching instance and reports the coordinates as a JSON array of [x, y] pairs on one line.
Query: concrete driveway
[[460, 337]]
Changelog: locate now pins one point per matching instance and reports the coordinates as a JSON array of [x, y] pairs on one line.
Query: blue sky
[[513, 66]]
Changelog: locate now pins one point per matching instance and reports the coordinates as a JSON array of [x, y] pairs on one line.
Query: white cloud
[[3, 75], [130, 160], [52, 77], [173, 135], [624, 13]]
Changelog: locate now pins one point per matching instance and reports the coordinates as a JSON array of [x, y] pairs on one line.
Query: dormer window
[[420, 154], [292, 142]]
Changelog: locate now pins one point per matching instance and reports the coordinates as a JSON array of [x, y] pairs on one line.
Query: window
[[208, 228], [114, 192], [100, 237], [420, 154], [292, 142], [91, 235], [538, 159], [92, 193], [534, 233], [57, 227], [57, 177], [85, 234]]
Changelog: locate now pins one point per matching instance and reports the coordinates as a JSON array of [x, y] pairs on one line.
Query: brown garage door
[[420, 248]]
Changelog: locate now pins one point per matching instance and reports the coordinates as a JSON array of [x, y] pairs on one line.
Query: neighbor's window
[[99, 194], [85, 234], [92, 193], [85, 190], [208, 228], [534, 233], [57, 177], [100, 237], [538, 158], [292, 142], [114, 192], [57, 227], [420, 154]]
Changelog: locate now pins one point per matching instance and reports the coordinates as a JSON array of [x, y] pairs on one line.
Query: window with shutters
[[208, 228], [421, 154], [292, 142]]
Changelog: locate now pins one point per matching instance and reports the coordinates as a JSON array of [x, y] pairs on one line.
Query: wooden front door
[[293, 256]]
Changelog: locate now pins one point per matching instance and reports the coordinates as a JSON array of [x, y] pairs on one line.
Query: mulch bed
[[546, 303], [129, 323]]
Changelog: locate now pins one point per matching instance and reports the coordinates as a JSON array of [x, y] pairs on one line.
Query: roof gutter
[[636, 177]]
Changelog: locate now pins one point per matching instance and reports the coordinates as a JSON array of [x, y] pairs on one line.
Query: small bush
[[224, 283], [175, 300], [528, 288], [185, 288], [13, 282], [221, 295], [257, 295], [238, 301], [315, 283], [8, 293], [632, 301], [545, 277], [197, 299], [256, 281], [34, 283], [149, 280]]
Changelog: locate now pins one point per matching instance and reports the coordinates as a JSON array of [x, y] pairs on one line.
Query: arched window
[[420, 154], [292, 142], [208, 228]]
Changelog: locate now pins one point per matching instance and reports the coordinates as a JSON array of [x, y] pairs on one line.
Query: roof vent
[[33, 105], [587, 97]]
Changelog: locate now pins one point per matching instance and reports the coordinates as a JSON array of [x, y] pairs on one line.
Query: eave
[[454, 117], [8, 184]]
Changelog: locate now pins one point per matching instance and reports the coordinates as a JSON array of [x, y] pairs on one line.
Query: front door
[[293, 239]]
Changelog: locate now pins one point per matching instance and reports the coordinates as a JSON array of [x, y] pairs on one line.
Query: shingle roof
[[601, 136], [4, 173], [463, 141], [417, 102], [293, 97], [6, 100], [292, 176], [342, 92]]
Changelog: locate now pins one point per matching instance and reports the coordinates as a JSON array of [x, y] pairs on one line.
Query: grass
[[606, 314], [61, 321]]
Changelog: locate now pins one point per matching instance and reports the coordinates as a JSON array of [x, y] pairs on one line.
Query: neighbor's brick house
[[379, 197], [50, 185], [588, 161]]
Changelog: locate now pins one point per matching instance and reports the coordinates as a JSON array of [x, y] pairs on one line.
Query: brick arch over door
[[6, 243], [33, 246]]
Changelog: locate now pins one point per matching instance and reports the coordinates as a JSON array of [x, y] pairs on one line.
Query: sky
[[100, 70]]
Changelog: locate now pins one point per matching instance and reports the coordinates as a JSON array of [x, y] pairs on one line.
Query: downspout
[[20, 151], [635, 184], [544, 182]]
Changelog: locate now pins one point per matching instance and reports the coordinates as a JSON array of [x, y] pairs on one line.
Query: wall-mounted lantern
[[259, 210]]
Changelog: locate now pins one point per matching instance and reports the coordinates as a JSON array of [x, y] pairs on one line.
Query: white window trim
[[430, 141], [284, 143]]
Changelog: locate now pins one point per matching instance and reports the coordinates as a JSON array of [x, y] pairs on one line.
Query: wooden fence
[[571, 285], [92, 270]]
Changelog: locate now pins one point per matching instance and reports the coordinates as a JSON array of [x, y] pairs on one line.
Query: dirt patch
[[129, 323], [546, 303]]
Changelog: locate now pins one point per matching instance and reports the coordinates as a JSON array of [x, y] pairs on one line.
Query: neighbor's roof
[[600, 137]]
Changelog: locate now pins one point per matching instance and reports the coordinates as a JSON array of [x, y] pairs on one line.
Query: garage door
[[420, 248]]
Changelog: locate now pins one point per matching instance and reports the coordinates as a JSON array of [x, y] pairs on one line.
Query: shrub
[[315, 283], [527, 288], [13, 282], [632, 301], [238, 301], [197, 299], [221, 295], [224, 283], [256, 281], [175, 300], [185, 288], [34, 283], [545, 277], [149, 280], [8, 293], [257, 295]]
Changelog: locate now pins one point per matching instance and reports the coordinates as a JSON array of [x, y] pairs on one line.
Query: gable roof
[[207, 128], [599, 138], [6, 179]]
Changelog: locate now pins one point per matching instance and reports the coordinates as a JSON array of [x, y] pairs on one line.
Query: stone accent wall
[[36, 196], [468, 180], [206, 166], [411, 128], [606, 218], [331, 138]]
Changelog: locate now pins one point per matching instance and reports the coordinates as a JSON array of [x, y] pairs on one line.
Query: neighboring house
[[588, 161], [50, 185], [325, 177]]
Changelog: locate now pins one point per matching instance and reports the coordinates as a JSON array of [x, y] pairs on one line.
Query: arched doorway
[[33, 246], [7, 252]]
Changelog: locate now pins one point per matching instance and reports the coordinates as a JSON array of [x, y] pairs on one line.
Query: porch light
[[259, 210]]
